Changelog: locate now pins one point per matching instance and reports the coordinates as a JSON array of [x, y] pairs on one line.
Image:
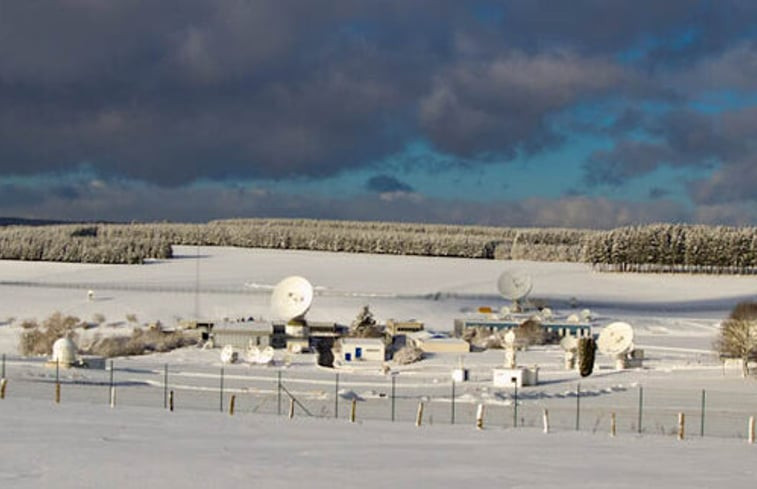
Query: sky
[[585, 113]]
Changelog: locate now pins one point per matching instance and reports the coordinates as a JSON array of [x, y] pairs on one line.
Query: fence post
[[353, 410], [3, 384], [232, 402], [480, 417], [165, 386], [112, 389], [291, 408], [394, 385], [612, 424], [220, 399], [3, 375], [701, 425], [419, 415], [545, 419], [750, 435], [170, 401], [578, 406], [515, 407], [681, 425], [452, 419], [57, 381], [641, 407], [278, 394], [336, 396]]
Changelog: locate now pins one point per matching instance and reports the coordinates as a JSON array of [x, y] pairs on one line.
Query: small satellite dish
[[291, 299], [504, 311], [586, 315], [569, 343], [616, 339], [573, 319], [514, 285], [546, 313], [228, 355], [260, 356], [509, 338]]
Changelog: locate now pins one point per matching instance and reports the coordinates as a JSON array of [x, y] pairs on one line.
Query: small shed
[[242, 334], [372, 349]]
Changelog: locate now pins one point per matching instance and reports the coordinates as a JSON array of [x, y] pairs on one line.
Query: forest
[[646, 248]]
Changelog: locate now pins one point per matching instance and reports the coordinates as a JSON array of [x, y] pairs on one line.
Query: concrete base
[[515, 377]]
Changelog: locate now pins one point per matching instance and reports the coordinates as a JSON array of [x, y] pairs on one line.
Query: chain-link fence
[[328, 394]]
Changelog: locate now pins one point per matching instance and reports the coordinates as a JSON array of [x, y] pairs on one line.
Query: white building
[[357, 349]]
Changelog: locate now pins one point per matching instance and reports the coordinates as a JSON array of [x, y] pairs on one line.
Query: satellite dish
[[569, 343], [504, 311], [260, 356], [514, 285], [509, 337], [616, 339], [573, 319], [291, 299], [586, 314], [546, 313], [228, 355]]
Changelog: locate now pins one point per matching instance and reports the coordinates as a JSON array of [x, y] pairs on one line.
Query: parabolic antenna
[[260, 356], [616, 339], [228, 355], [569, 343], [546, 313], [514, 285], [291, 298]]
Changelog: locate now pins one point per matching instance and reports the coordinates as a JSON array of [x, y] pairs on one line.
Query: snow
[[82, 443]]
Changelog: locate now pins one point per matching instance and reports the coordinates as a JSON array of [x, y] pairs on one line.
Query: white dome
[[64, 351]]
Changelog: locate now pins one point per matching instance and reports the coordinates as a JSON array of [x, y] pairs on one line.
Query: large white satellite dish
[[291, 299], [616, 339], [514, 285]]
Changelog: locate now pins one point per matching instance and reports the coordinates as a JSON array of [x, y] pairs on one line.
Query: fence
[[394, 398]]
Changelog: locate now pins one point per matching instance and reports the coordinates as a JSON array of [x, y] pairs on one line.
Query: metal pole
[[701, 420], [515, 407], [578, 406], [452, 420], [221, 389], [111, 397], [641, 404], [278, 395], [57, 381], [3, 376], [394, 382], [336, 396], [165, 386]]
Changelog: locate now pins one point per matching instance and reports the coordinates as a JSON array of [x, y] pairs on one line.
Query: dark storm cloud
[[386, 183], [171, 92]]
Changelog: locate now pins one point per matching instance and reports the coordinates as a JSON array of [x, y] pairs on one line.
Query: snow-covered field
[[674, 316]]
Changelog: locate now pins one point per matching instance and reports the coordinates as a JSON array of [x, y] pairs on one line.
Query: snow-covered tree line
[[650, 248], [674, 248]]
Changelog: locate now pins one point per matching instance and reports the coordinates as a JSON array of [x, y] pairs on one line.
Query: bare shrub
[[29, 324], [530, 332], [140, 342], [408, 355], [132, 318], [98, 319], [738, 335], [482, 338], [38, 340]]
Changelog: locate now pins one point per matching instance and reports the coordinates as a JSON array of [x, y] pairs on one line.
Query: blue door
[[358, 352], [347, 357]]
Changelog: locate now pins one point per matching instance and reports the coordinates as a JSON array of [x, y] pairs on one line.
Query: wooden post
[[3, 384], [112, 397], [612, 424], [546, 421], [170, 401], [291, 408], [57, 381], [751, 430], [681, 425], [419, 415], [353, 410], [232, 401], [480, 417]]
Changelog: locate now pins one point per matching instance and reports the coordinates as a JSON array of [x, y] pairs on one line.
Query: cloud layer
[[167, 94]]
